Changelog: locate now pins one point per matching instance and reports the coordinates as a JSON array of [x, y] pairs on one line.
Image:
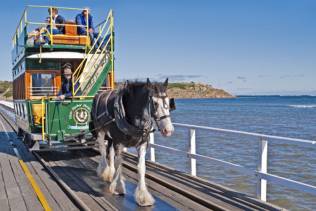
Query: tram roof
[[57, 55]]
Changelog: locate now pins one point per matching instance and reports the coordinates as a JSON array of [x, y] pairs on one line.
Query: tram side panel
[[66, 119]]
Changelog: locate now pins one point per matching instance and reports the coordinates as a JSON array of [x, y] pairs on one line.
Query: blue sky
[[243, 46]]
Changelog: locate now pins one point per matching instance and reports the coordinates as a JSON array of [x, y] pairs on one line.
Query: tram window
[[42, 84], [23, 111], [19, 110]]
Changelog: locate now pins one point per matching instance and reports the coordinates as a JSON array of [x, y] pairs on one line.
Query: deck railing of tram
[[25, 22], [262, 175], [102, 51]]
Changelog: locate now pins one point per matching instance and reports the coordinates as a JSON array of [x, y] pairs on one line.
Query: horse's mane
[[156, 86]]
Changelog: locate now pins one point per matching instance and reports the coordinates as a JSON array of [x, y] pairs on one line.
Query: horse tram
[[65, 98], [40, 57]]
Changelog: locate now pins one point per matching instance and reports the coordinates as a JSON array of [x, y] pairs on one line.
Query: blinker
[[172, 104]]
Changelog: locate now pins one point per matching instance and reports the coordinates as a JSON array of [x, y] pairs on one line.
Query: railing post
[[192, 150], [262, 167], [152, 149]]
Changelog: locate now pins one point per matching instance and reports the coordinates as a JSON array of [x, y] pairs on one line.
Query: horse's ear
[[126, 84], [165, 84], [148, 82]]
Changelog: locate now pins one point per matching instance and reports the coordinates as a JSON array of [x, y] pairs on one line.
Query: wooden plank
[[55, 194], [81, 189], [56, 198], [4, 203], [16, 201], [211, 192], [30, 198], [173, 199]]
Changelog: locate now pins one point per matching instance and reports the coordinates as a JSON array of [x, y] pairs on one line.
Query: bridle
[[154, 110]]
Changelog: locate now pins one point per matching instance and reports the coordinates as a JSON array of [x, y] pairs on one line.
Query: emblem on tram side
[[81, 114]]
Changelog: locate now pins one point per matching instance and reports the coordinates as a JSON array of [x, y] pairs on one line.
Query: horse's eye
[[165, 105]]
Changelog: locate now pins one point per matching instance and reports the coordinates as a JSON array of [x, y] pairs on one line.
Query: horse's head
[[161, 107], [137, 103]]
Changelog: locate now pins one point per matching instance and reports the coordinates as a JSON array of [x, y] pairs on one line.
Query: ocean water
[[283, 116]]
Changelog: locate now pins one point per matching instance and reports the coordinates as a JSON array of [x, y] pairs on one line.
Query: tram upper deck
[[37, 70], [37, 67]]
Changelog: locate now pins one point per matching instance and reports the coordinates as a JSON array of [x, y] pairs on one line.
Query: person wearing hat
[[66, 88], [82, 20]]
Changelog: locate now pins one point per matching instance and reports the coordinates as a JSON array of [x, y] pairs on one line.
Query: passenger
[[57, 20], [66, 87], [81, 19], [38, 37]]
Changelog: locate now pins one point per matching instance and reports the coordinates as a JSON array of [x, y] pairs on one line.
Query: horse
[[125, 118]]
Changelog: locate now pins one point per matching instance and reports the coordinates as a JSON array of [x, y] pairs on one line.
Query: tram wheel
[[28, 141], [20, 132]]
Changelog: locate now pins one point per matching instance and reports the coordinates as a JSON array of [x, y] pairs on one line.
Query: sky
[[242, 46]]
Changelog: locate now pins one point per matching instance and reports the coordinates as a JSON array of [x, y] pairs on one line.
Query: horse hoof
[[117, 189], [120, 189], [107, 174], [144, 198]]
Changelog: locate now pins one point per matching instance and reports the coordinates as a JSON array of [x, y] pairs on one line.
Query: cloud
[[178, 77], [243, 88], [263, 76], [242, 78], [292, 76], [171, 77]]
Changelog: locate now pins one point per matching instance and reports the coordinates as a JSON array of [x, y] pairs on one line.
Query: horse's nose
[[166, 132]]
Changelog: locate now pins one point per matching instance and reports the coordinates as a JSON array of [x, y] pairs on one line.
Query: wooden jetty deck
[[16, 190], [173, 190]]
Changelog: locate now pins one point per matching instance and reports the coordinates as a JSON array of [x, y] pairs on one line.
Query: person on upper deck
[[56, 20], [82, 22], [66, 87]]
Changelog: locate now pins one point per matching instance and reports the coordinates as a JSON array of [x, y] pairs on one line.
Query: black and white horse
[[125, 118]]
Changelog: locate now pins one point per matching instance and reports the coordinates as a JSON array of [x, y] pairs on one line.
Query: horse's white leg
[[103, 167], [118, 185], [110, 169], [142, 196], [102, 149]]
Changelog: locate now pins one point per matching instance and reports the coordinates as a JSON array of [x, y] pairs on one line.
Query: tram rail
[[172, 189]]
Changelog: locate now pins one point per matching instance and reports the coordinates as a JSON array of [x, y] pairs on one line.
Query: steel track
[[163, 179]]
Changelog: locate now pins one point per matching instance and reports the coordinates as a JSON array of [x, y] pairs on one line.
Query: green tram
[[37, 67]]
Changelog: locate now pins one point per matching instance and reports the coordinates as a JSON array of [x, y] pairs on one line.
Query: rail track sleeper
[[63, 185]]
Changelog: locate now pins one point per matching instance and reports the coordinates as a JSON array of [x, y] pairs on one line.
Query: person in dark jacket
[[66, 87], [56, 20], [85, 18]]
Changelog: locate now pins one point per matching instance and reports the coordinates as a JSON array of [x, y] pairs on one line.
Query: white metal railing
[[261, 173], [42, 91]]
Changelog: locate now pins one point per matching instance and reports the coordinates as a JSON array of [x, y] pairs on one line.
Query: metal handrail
[[259, 135], [92, 47], [77, 73], [26, 22], [261, 173]]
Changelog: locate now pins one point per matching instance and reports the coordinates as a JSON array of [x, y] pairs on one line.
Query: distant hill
[[196, 90], [176, 90], [5, 89]]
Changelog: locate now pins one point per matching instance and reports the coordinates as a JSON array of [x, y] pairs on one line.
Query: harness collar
[[123, 124]]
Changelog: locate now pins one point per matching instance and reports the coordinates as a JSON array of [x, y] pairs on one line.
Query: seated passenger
[[81, 19], [38, 37], [66, 87], [57, 20]]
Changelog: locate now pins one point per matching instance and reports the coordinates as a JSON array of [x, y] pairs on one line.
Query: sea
[[289, 116]]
